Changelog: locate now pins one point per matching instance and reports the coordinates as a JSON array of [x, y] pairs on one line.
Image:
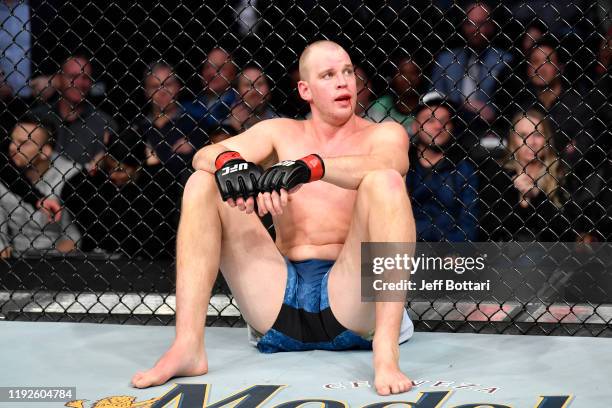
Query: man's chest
[[297, 146]]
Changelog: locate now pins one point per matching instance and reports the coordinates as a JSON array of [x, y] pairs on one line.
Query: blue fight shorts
[[305, 321]]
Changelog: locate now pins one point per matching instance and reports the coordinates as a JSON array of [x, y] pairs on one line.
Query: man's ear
[[304, 90]]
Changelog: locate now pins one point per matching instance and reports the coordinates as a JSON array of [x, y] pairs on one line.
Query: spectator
[[82, 130], [119, 207], [524, 193], [579, 132], [170, 137], [399, 104], [471, 75], [364, 92], [534, 32], [443, 188], [600, 69], [599, 97], [22, 225], [14, 178], [589, 178], [25, 47], [213, 105], [254, 104], [15, 47], [547, 90]]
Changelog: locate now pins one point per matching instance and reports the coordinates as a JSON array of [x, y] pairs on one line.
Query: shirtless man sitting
[[348, 188]]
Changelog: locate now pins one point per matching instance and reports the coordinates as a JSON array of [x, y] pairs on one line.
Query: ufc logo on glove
[[234, 168]]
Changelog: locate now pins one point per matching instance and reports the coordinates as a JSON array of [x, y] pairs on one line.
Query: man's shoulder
[[390, 128], [279, 125]]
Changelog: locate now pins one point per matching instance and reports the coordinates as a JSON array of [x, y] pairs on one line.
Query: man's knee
[[200, 185], [385, 184]]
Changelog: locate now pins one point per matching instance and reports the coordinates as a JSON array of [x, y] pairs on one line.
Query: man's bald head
[[313, 49]]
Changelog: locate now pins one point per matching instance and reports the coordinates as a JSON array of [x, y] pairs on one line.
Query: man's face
[[253, 88], [218, 71], [433, 125], [162, 87], [543, 66], [407, 78], [331, 86], [28, 145], [75, 80], [477, 28]]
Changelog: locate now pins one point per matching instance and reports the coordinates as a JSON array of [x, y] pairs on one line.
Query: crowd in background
[[507, 144]]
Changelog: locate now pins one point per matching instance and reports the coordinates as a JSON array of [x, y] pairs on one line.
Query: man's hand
[[526, 187], [51, 207], [289, 174], [237, 180], [286, 177]]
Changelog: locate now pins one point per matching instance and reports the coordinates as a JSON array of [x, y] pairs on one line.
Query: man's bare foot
[[181, 360], [388, 379]]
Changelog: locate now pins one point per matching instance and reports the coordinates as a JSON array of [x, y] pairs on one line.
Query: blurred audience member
[[24, 226], [15, 47], [119, 207], [254, 103], [213, 104], [399, 104], [599, 96], [443, 187], [523, 195], [471, 75], [547, 90], [14, 177], [168, 132], [364, 92], [82, 129], [580, 132], [534, 32]]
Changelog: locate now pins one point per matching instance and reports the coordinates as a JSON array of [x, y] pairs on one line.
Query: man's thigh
[[253, 267], [344, 287]]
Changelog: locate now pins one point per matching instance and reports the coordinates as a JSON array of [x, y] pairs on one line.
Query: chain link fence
[[103, 105]]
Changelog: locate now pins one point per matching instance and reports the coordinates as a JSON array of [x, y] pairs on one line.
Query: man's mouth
[[343, 98]]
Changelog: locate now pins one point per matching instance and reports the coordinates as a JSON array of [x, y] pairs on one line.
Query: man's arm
[[389, 151], [255, 145]]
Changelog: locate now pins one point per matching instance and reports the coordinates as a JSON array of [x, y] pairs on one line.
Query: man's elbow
[[199, 159]]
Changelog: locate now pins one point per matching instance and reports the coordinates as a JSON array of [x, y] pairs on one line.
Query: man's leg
[[382, 213], [211, 234]]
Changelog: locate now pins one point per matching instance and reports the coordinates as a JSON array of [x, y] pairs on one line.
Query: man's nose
[[341, 81]]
